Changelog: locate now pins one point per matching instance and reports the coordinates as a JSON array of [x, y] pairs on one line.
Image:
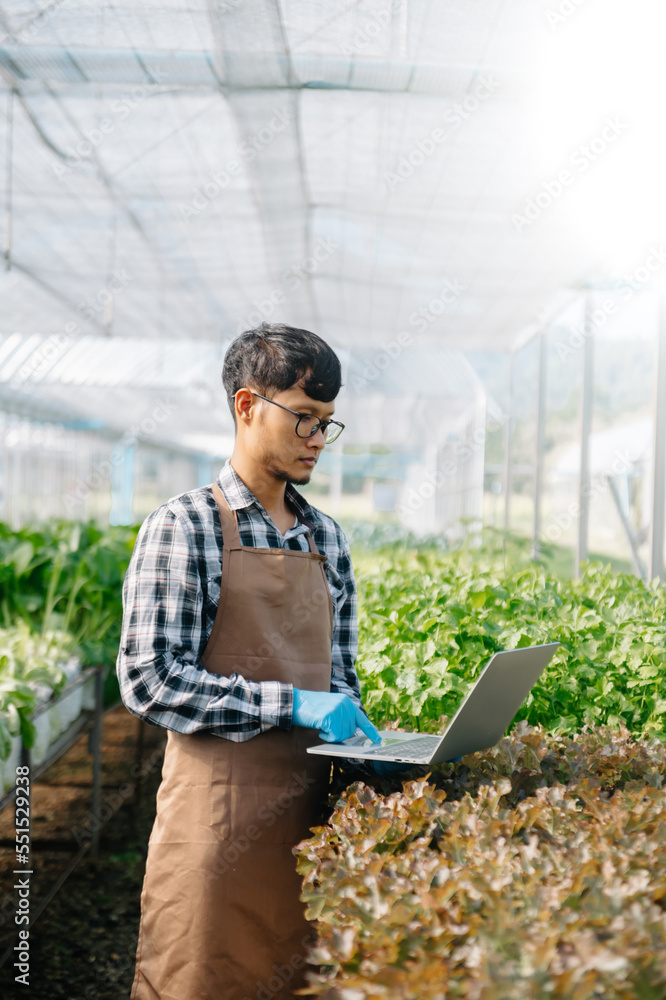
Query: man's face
[[287, 456]]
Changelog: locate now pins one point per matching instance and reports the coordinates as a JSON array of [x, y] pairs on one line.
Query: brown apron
[[220, 912]]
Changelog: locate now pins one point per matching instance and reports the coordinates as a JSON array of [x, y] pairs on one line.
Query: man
[[239, 636]]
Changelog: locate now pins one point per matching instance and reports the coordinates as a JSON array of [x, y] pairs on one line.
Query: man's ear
[[243, 401]]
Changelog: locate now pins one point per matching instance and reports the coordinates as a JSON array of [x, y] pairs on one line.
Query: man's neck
[[268, 491]]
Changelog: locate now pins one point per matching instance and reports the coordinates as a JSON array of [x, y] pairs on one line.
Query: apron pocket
[[266, 790]]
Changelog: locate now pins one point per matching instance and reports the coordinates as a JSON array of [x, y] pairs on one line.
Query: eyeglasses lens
[[332, 432], [308, 425]]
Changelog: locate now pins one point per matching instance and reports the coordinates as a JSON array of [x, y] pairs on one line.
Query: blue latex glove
[[334, 715], [386, 767]]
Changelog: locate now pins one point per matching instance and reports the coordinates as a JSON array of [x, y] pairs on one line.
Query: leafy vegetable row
[[429, 622], [32, 667], [534, 869], [67, 576], [60, 595]]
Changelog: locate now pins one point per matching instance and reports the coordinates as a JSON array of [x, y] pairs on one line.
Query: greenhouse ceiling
[[179, 171]]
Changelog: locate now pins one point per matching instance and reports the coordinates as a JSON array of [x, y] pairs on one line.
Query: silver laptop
[[480, 722]]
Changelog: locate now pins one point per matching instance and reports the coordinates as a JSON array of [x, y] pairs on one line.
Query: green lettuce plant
[[429, 622], [31, 669]]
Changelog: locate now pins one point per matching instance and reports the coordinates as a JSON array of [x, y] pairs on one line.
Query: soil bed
[[82, 946]]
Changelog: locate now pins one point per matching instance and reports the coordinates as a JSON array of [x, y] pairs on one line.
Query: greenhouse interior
[[465, 201]]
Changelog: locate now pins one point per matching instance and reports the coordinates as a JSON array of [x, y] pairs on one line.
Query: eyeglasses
[[308, 424]]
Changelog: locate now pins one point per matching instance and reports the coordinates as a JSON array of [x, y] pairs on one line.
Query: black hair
[[272, 357]]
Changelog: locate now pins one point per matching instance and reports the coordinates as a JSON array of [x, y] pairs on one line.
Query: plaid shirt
[[170, 596]]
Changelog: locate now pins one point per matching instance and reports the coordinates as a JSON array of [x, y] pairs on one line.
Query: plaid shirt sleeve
[[161, 678], [344, 679]]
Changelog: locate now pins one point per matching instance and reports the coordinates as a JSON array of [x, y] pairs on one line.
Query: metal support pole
[[96, 741], [204, 468], [539, 444], [659, 452], [584, 482], [508, 443], [141, 725], [623, 511], [9, 179], [335, 488], [122, 481]]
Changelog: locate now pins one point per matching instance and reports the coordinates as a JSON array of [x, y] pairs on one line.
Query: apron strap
[[230, 535], [312, 543]]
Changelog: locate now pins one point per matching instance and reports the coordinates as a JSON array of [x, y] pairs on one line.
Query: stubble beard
[[286, 477], [281, 475], [273, 466]]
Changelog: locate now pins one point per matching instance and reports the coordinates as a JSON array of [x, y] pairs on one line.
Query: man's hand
[[334, 715]]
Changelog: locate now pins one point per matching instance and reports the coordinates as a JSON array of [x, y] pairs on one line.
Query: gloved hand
[[334, 715]]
